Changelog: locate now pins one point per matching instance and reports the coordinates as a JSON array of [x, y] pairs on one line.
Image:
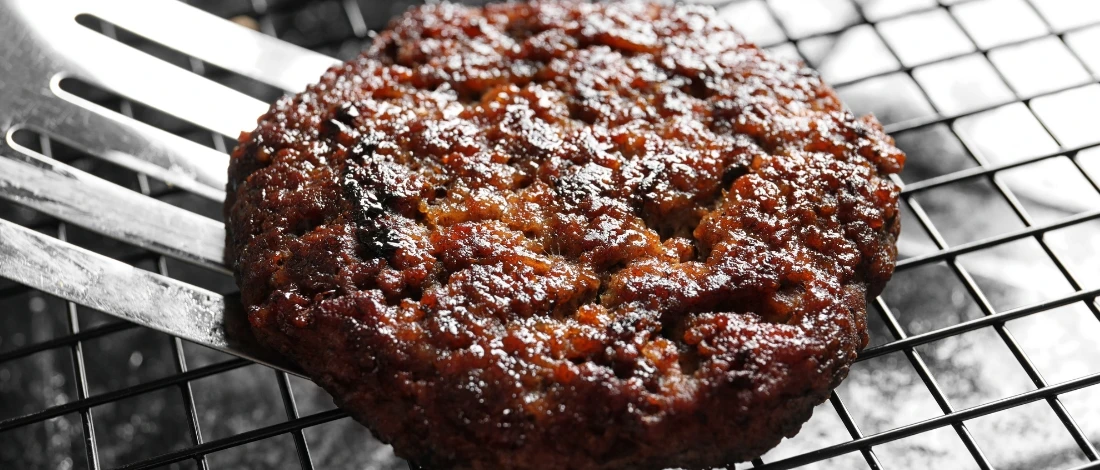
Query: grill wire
[[959, 339]]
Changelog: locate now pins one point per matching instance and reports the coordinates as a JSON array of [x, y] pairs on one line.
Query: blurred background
[[994, 101]]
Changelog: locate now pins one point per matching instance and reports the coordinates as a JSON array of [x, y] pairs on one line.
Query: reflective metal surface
[[133, 294], [69, 194], [44, 43]]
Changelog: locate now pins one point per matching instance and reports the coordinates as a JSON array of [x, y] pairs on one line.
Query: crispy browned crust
[[565, 235]]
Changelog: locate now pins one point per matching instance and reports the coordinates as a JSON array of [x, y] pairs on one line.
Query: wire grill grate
[[85, 425]]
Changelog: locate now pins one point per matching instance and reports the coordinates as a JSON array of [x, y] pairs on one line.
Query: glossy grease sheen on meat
[[566, 235]]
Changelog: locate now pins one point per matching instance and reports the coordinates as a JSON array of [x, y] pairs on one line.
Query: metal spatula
[[43, 43]]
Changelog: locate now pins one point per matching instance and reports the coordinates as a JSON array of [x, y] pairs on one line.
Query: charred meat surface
[[566, 235]]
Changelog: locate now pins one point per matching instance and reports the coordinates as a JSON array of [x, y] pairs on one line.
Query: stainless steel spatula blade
[[43, 44]]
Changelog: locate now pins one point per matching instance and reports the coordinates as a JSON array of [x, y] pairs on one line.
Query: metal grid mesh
[[936, 71]]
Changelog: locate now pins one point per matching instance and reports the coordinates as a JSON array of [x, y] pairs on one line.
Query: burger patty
[[564, 235]]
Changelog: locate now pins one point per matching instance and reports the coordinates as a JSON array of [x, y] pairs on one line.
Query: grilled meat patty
[[566, 235]]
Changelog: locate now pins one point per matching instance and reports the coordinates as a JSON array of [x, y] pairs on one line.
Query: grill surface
[[985, 348]]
